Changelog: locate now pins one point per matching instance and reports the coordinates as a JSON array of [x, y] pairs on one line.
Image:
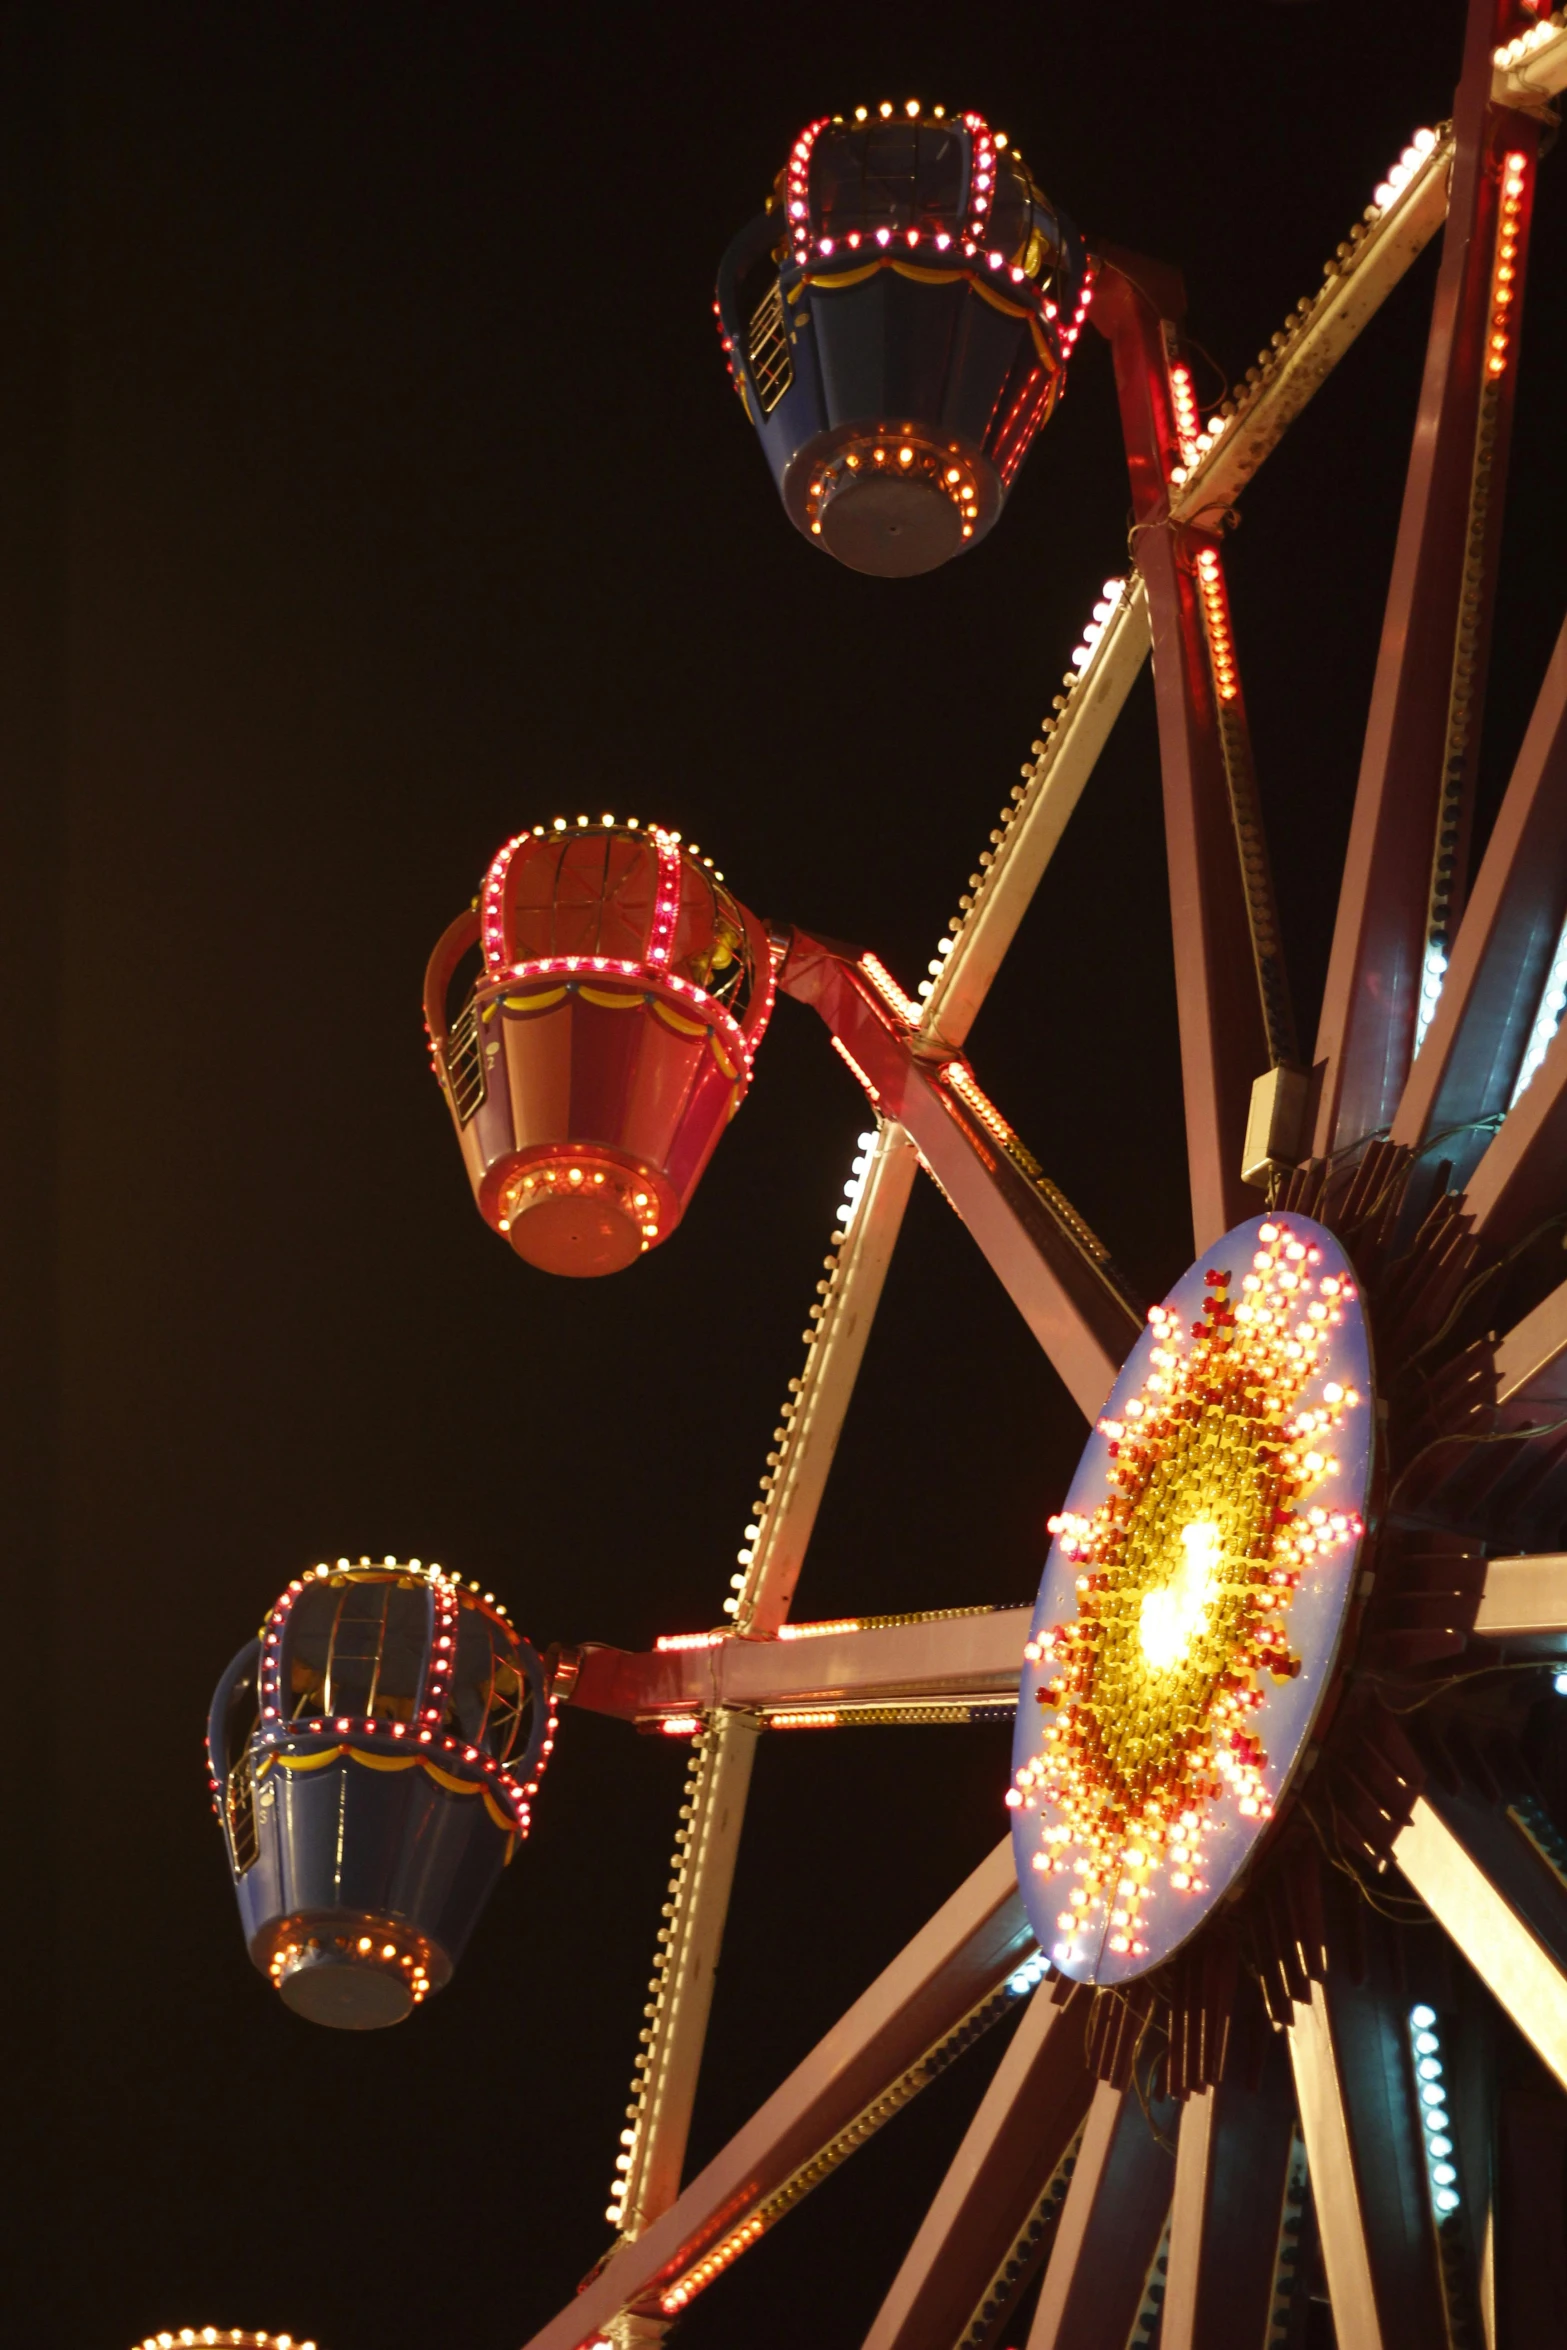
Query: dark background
[[372, 486]]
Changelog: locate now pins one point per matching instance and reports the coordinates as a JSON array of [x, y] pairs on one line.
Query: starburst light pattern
[[1193, 1604]]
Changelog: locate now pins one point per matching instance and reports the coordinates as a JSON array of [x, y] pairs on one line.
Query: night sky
[[372, 487]]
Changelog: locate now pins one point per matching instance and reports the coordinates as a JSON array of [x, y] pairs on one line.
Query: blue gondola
[[374, 1755], [897, 323]]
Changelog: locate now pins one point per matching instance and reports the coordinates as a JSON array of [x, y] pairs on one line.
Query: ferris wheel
[[1280, 1915]]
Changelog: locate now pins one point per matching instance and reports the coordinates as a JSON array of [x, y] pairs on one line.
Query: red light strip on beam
[[666, 906], [704, 2272], [1216, 622], [890, 992], [844, 1054], [1183, 394], [961, 1079], [1499, 340]]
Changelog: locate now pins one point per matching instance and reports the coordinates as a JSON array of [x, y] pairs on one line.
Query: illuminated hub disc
[[1194, 1600]]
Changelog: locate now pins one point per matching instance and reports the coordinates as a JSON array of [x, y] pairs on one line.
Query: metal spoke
[[684, 1969], [962, 1959], [1525, 1603], [1403, 876], [1007, 884], [1024, 2126], [1231, 998], [1469, 1063], [1110, 2225], [1358, 282], [1494, 1874], [1355, 2088], [973, 1653], [788, 1518], [1232, 2170]]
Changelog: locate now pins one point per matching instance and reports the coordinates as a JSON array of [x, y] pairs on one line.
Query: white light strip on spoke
[[1408, 208], [1547, 1019], [1104, 667], [1432, 973], [1532, 67], [1430, 2087]]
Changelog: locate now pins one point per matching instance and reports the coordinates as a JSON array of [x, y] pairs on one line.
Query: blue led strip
[[1441, 2175]]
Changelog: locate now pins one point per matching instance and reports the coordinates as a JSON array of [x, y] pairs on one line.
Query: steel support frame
[[1210, 817], [964, 1953], [1043, 1255], [1312, 352], [1409, 832]]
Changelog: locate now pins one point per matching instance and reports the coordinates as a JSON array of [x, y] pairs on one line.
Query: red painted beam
[[1225, 1040], [967, 1656], [1423, 731], [1055, 1272]]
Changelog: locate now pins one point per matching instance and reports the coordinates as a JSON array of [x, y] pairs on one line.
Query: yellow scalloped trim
[[539, 1002], [619, 1002], [396, 1762], [310, 1762], [674, 1021]]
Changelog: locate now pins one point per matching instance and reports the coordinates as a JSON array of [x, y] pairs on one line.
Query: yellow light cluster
[[1185, 1577], [625, 824], [873, 1092], [903, 460], [550, 1180], [289, 1955], [231, 2334]]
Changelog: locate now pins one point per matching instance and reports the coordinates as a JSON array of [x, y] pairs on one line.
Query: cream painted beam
[[1492, 1875]]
